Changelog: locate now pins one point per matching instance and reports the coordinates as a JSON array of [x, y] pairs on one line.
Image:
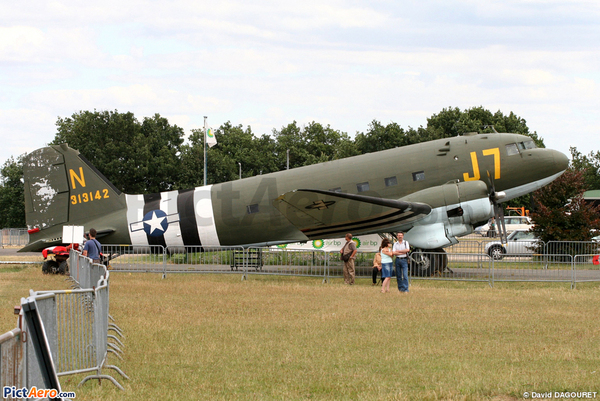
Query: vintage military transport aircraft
[[435, 191]]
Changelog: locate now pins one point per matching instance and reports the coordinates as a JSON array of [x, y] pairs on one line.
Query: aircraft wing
[[326, 214]]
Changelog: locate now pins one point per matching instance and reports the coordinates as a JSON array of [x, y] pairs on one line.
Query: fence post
[[37, 336], [246, 257], [165, 261], [573, 278]]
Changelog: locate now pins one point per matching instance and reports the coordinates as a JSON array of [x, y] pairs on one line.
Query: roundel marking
[[155, 223]]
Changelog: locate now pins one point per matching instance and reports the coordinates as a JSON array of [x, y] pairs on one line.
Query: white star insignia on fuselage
[[155, 223]]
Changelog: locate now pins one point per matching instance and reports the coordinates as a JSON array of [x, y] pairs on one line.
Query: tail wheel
[[426, 262]]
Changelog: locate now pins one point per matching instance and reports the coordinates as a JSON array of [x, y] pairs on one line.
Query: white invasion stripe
[[205, 219], [135, 214], [168, 204]]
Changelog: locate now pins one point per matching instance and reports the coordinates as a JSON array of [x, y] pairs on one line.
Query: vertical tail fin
[[62, 187]]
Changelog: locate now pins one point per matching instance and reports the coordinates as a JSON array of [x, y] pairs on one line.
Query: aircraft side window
[[418, 176], [521, 145], [362, 187], [391, 181], [529, 144], [252, 208], [511, 149]]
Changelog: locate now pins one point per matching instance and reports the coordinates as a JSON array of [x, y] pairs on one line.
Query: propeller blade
[[498, 211], [501, 223]]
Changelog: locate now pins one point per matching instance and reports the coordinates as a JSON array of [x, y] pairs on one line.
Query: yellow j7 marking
[[476, 174], [89, 197]]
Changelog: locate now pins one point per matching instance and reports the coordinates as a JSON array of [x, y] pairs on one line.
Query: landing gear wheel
[[426, 262]]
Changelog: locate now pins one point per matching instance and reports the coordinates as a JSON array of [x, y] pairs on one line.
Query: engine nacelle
[[455, 208]]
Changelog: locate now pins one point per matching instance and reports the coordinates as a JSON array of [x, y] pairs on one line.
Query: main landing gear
[[427, 262]]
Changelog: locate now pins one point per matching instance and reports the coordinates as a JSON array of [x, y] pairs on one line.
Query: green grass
[[197, 337]]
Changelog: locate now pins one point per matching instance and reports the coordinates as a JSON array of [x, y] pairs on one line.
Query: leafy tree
[[12, 201], [161, 147], [420, 135], [379, 137], [452, 122], [290, 138], [136, 157], [561, 213], [322, 142], [448, 123], [234, 145], [310, 144], [589, 165], [192, 161]]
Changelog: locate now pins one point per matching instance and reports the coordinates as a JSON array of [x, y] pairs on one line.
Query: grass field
[[201, 337]]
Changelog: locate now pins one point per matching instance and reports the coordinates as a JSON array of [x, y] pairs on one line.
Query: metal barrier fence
[[572, 247], [12, 359], [586, 268], [136, 258], [14, 237], [200, 259], [465, 261], [363, 264], [67, 332], [537, 267], [310, 263], [462, 266]]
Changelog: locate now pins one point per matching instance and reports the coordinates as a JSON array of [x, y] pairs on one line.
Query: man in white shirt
[[400, 250]]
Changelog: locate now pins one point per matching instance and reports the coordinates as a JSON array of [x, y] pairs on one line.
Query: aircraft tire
[[426, 262]]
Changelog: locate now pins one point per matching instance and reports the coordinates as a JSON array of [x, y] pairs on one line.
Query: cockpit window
[[530, 144], [521, 145], [511, 149]]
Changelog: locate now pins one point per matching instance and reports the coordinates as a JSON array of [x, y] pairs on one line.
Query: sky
[[267, 63]]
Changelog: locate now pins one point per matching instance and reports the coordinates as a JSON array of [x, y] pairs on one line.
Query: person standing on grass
[[376, 266], [400, 250], [92, 248], [386, 264], [348, 253]]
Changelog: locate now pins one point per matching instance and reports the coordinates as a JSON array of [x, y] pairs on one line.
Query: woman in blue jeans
[[387, 264]]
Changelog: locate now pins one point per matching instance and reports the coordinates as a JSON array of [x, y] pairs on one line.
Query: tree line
[[151, 155]]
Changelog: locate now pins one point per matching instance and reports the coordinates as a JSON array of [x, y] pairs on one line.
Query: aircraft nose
[[561, 161]]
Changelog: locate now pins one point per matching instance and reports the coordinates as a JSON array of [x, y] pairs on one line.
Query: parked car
[[512, 223], [519, 242]]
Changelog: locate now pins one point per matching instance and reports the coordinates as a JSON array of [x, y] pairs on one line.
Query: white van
[[512, 223]]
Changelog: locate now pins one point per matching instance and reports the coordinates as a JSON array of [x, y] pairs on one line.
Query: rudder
[[62, 187]]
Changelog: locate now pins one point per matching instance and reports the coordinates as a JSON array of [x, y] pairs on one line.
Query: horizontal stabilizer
[[326, 214]]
